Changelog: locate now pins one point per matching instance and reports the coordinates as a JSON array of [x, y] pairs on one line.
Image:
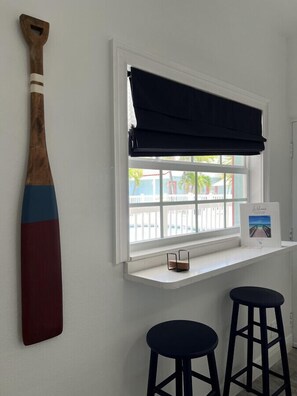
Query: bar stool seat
[[182, 340], [262, 299], [257, 297]]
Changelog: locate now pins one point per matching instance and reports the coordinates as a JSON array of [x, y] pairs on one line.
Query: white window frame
[[123, 57]]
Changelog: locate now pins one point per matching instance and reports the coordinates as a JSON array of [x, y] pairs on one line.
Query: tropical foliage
[[136, 175], [188, 179], [187, 182]]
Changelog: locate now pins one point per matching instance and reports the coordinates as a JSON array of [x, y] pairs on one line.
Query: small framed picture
[[260, 224]]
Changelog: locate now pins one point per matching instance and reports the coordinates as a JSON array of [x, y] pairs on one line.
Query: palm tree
[[203, 181], [136, 175], [187, 182]]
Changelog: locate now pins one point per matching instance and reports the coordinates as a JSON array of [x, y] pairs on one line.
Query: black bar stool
[[257, 297], [182, 340]]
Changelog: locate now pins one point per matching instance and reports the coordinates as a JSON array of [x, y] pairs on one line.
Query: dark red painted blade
[[42, 315]]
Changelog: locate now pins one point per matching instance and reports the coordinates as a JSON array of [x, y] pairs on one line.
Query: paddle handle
[[36, 33]]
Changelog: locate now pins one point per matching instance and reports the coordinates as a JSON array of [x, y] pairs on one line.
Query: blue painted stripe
[[39, 204]]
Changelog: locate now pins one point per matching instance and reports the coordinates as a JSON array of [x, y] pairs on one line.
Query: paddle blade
[[42, 316]]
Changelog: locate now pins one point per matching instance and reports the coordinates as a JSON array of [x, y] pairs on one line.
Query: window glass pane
[[237, 160], [178, 186], [210, 185], [178, 220], [236, 186], [208, 159], [233, 214], [210, 216], [144, 185], [144, 223]]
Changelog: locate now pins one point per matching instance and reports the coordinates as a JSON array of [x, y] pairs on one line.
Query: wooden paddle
[[42, 313]]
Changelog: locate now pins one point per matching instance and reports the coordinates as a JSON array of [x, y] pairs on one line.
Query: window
[[173, 199], [180, 196]]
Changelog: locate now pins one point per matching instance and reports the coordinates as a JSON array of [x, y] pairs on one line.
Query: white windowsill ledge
[[204, 266]]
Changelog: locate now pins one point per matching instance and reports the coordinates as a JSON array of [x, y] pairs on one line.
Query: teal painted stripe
[[39, 204]]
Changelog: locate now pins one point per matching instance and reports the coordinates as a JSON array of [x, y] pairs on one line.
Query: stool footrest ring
[[268, 327], [279, 391], [241, 333], [251, 390], [201, 377], [274, 373], [242, 371], [238, 374], [242, 385], [161, 392], [165, 382], [212, 393], [273, 342]]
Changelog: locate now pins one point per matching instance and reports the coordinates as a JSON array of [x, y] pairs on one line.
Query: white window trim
[[123, 56]]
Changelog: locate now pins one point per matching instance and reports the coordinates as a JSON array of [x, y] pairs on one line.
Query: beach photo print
[[260, 224]]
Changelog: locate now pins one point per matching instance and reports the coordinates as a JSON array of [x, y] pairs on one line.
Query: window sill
[[205, 266]]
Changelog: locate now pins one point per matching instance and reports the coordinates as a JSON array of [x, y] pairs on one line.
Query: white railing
[[177, 220], [144, 223]]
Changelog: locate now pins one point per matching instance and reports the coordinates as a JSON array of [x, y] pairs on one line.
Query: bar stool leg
[[179, 378], [231, 349], [283, 350], [152, 374], [213, 374], [264, 351], [250, 345], [188, 389]]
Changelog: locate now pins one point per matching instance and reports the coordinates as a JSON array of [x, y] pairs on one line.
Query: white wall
[[102, 350], [292, 81], [292, 96]]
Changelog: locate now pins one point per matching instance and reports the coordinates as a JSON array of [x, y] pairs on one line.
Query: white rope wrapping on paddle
[[34, 79]]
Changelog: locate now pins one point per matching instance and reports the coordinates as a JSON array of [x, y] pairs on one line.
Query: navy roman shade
[[175, 119]]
